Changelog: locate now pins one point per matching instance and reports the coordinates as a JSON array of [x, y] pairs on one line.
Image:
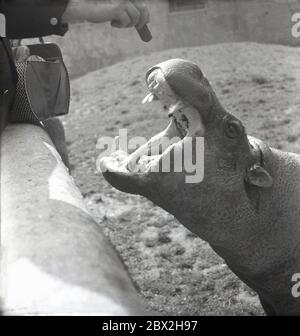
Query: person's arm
[[121, 13], [33, 18]]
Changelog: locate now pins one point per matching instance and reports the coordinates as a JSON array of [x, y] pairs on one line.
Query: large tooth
[[153, 84], [152, 146], [175, 107], [149, 98]]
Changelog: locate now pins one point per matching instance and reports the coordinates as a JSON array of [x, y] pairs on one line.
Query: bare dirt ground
[[176, 272]]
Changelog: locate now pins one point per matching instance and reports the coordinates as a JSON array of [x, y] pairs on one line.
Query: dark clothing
[[24, 19], [8, 78], [33, 18]]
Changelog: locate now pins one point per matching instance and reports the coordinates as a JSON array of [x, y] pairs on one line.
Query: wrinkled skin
[[247, 206]]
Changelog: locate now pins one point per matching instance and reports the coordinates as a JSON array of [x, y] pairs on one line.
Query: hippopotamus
[[247, 204]]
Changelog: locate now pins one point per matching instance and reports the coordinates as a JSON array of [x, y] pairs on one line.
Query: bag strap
[[7, 47], [8, 82]]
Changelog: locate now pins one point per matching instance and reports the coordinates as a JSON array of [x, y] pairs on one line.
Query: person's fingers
[[133, 13], [144, 17], [144, 13], [121, 20], [127, 15]]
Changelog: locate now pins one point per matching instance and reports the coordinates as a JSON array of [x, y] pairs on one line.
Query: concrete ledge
[[54, 257]]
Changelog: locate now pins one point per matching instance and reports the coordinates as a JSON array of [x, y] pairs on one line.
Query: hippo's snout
[[196, 119], [175, 84]]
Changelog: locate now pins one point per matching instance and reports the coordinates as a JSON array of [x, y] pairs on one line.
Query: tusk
[[149, 98], [153, 145], [152, 84]]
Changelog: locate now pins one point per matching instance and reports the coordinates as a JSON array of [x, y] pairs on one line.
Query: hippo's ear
[[258, 176]]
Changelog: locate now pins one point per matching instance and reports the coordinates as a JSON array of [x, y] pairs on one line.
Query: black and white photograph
[[149, 160]]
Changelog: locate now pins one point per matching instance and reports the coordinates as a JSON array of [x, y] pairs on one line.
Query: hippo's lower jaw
[[160, 148], [247, 205]]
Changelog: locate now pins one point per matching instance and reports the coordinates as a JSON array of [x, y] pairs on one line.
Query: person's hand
[[127, 14], [121, 13]]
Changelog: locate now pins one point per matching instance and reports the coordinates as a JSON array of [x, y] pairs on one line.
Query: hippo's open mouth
[[187, 119], [186, 123], [187, 97]]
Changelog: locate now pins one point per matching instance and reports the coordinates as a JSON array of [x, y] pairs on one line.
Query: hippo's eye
[[232, 129]]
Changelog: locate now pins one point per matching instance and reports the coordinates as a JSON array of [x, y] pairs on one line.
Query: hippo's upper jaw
[[235, 206]]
